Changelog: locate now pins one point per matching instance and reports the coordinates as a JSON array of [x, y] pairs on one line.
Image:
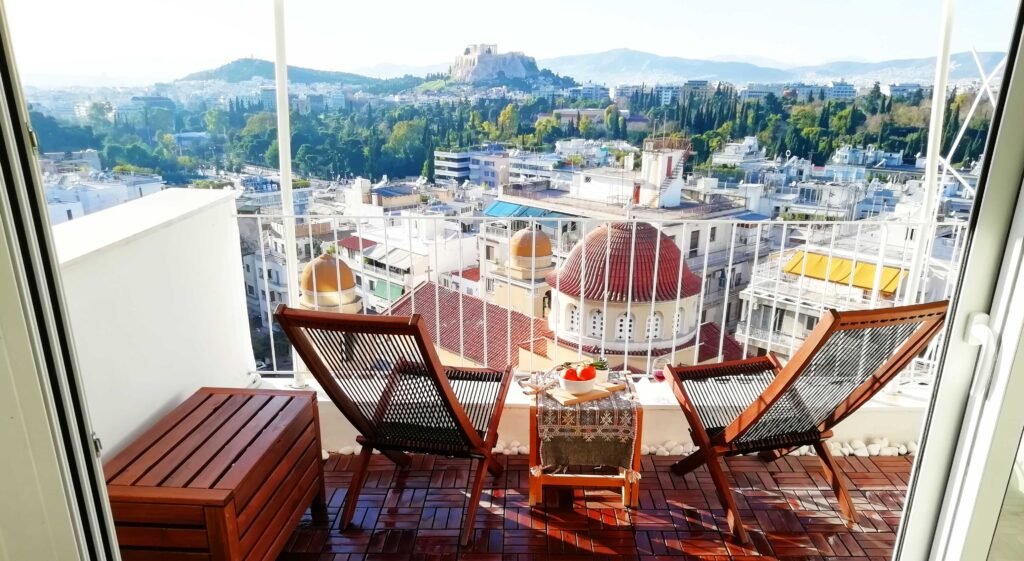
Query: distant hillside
[[625, 66], [962, 67], [248, 68]]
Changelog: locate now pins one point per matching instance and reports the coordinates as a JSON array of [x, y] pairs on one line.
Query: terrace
[[128, 259]]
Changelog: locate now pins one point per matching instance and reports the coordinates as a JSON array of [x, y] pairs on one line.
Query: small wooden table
[[539, 479], [224, 476]]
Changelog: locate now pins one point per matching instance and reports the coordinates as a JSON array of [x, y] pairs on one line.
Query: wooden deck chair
[[758, 405], [384, 375]]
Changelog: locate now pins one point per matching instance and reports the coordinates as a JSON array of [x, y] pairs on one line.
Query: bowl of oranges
[[577, 381]]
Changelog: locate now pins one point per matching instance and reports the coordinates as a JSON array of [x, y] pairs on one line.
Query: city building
[[696, 88], [485, 165], [901, 90], [745, 154], [268, 97], [840, 91], [72, 195], [589, 91]]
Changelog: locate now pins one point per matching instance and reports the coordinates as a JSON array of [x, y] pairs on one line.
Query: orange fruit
[[571, 374], [588, 373]]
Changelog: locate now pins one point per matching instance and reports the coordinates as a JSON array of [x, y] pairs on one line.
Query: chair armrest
[[478, 374], [748, 367]]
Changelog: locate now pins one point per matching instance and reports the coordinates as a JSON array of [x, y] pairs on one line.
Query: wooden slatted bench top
[[190, 480]]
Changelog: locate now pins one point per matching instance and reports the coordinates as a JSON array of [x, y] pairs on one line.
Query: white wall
[[156, 299]]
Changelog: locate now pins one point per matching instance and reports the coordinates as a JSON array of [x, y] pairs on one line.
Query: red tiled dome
[[613, 245]]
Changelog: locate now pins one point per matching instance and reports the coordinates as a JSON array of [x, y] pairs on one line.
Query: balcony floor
[[788, 508]]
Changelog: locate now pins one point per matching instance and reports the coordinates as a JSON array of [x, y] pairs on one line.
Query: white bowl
[[576, 387]]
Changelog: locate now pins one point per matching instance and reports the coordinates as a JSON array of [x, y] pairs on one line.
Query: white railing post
[[284, 157], [931, 177]]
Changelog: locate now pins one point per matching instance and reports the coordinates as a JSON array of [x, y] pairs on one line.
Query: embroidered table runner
[[594, 433]]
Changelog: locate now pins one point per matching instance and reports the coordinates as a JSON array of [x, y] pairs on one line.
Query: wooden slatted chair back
[[384, 375], [846, 360]]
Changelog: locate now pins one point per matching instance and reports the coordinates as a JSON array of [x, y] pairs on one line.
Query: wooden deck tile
[[790, 512]]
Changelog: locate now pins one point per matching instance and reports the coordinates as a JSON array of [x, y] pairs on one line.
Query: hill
[[248, 68]]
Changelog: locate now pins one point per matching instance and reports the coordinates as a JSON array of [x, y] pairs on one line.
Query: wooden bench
[[224, 476]]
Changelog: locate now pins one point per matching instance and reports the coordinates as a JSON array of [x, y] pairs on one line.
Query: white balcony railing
[[715, 322]]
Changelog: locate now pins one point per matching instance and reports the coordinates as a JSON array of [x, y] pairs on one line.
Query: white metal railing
[[754, 282]]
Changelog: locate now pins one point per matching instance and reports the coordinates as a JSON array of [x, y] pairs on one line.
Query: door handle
[[980, 334]]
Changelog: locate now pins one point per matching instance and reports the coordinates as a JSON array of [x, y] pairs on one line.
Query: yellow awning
[[817, 267]]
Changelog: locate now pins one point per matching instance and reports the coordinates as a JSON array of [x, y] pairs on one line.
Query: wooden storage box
[[224, 476]]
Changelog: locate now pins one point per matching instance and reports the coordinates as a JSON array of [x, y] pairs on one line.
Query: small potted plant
[[601, 366]]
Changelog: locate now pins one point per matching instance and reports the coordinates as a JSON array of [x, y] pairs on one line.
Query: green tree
[[508, 121]]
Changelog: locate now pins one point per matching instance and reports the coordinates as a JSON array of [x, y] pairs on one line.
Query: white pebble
[[797, 452], [661, 451], [861, 452], [375, 451], [670, 444], [845, 451], [347, 451], [509, 451], [912, 447], [514, 444], [874, 449], [889, 451], [689, 449], [855, 444], [324, 454], [902, 450], [644, 449], [524, 450], [677, 451], [500, 445], [497, 450]]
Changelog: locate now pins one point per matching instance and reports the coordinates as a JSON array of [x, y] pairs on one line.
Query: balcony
[[123, 270]]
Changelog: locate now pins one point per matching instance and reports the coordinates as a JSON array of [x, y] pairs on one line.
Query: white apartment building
[[70, 196], [667, 94], [488, 166], [840, 91], [390, 257], [790, 289], [901, 90], [745, 154]]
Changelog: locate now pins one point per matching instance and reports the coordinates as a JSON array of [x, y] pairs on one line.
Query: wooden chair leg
[[732, 512], [772, 455], [358, 478], [493, 465], [474, 502], [689, 463], [401, 459], [835, 478]]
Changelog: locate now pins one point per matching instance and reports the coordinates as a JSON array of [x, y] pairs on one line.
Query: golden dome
[[327, 272], [530, 243]]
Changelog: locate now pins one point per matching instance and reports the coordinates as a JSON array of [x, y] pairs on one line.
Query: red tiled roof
[[470, 274], [353, 243], [710, 336], [614, 245], [436, 303]]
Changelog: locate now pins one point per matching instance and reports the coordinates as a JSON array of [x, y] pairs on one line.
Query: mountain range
[[625, 66]]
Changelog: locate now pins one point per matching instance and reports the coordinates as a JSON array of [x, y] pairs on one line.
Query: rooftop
[[487, 334]]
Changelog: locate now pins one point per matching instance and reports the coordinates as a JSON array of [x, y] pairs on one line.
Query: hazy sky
[[140, 41]]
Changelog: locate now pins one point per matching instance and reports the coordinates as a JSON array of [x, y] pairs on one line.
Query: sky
[[137, 42]]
